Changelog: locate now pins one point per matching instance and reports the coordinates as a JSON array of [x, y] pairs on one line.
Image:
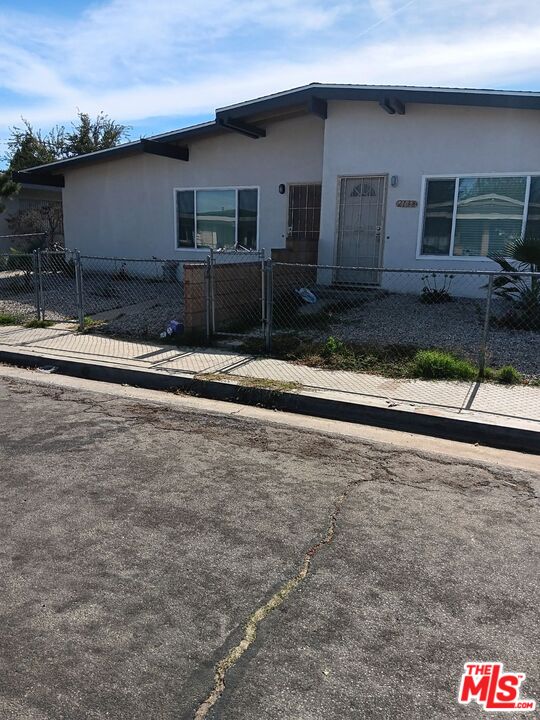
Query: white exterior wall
[[125, 207], [362, 139]]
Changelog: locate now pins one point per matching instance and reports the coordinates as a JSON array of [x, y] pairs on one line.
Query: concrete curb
[[464, 429]]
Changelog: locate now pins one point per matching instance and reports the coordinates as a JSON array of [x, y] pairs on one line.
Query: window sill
[[466, 258], [218, 250]]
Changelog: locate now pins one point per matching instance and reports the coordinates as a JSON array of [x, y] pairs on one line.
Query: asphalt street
[[160, 563]]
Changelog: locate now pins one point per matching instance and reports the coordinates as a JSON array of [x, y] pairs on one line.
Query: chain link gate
[[59, 286], [236, 298]]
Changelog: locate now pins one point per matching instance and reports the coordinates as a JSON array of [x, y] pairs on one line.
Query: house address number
[[407, 203]]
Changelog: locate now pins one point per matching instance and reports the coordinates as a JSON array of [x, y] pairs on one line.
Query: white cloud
[[382, 8], [137, 59]]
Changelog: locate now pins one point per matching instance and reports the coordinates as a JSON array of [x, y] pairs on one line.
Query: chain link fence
[[18, 288], [320, 317], [464, 313], [329, 317], [133, 298], [21, 242], [57, 280]]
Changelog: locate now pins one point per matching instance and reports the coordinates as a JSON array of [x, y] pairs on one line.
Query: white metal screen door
[[362, 203]]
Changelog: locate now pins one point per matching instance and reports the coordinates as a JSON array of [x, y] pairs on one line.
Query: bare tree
[[43, 224]]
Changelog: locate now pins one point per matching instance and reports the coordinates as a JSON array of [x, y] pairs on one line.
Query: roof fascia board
[[89, 158], [404, 95], [434, 97], [39, 179]]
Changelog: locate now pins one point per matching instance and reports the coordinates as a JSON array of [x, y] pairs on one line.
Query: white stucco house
[[398, 177]]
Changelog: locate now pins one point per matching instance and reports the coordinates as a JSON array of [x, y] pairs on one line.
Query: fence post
[[212, 293], [485, 330], [263, 292], [35, 270], [79, 288], [269, 304], [207, 299], [40, 284]]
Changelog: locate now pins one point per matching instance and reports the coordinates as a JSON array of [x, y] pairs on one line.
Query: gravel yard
[[147, 318], [133, 307], [457, 326]]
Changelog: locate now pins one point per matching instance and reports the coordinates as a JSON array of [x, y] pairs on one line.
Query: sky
[[157, 65]]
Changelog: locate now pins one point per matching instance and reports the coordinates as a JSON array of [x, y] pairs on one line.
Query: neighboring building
[[350, 175], [29, 198]]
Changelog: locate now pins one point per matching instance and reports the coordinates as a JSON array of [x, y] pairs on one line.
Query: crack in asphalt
[[136, 413], [383, 475], [250, 628]]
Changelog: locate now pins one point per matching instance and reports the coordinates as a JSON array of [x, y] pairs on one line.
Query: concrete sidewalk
[[510, 407]]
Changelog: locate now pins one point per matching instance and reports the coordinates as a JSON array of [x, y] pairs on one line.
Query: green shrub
[[436, 290], [89, 325], [332, 346], [508, 375], [38, 323], [8, 319], [439, 365], [521, 254]]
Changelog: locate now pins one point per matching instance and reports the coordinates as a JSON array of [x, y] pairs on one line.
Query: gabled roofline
[[126, 149], [378, 93], [322, 89], [313, 98]]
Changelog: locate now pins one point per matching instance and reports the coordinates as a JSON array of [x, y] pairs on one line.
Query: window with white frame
[[217, 218], [475, 216]]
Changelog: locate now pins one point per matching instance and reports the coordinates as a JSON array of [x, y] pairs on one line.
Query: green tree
[[28, 147], [90, 135]]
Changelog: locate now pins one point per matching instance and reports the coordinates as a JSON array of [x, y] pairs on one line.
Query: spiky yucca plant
[[520, 255]]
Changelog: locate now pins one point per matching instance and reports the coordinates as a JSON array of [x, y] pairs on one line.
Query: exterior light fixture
[[394, 181], [281, 189]]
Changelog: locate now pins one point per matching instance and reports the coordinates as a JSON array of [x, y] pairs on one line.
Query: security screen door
[[362, 203], [304, 211]]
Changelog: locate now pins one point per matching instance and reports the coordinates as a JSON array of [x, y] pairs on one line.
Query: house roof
[[377, 93], [308, 98]]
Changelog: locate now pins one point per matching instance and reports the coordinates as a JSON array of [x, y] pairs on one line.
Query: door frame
[[383, 219]]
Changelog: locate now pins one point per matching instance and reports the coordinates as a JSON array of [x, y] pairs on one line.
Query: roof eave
[[313, 98], [127, 149], [434, 96]]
